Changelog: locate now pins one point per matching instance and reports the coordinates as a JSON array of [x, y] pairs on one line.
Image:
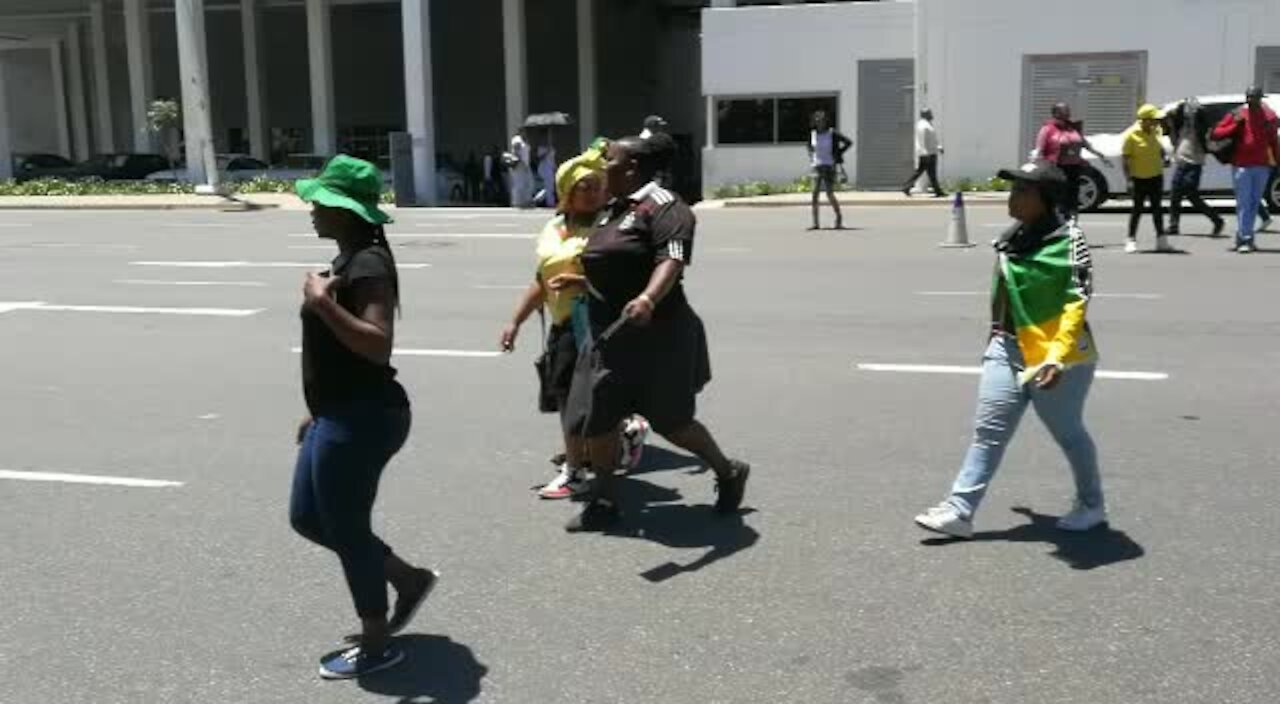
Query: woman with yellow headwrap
[[558, 285]]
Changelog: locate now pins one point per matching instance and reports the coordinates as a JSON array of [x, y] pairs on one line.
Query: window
[[769, 119]]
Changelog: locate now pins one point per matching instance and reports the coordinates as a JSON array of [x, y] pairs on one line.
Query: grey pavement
[[822, 591]]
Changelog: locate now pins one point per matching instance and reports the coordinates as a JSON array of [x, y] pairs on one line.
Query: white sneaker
[[1246, 248], [1083, 518], [1131, 247], [569, 482], [1162, 244], [945, 519]]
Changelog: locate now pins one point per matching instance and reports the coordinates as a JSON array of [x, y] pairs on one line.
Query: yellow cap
[[1149, 112]]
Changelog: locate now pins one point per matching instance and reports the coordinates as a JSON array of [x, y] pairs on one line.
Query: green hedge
[[98, 187], [804, 184]]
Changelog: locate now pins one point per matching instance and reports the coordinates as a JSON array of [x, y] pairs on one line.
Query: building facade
[[989, 69]]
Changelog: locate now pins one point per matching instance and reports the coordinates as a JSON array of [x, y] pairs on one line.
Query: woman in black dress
[[655, 362], [359, 414]]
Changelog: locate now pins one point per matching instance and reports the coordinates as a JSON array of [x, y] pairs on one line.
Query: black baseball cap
[[1041, 174], [1253, 92], [655, 121]]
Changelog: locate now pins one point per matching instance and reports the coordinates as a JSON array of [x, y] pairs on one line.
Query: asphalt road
[[823, 591]]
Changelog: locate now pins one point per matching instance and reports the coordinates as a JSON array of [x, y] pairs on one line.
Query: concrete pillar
[[255, 78], [75, 77], [105, 137], [324, 131], [516, 62], [587, 80], [711, 122], [60, 96], [193, 75], [419, 97], [6, 145], [137, 32]]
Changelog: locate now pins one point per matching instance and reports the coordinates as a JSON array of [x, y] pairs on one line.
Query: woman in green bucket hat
[[359, 415]]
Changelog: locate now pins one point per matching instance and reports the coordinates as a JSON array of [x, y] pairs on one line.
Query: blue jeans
[[335, 483], [1251, 185], [1001, 403]]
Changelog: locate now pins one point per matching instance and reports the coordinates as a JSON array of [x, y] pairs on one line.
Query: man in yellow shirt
[[1144, 160]]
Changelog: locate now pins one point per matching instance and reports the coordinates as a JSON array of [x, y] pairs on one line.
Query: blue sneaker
[[354, 662]]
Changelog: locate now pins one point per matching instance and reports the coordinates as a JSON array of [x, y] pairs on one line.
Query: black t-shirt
[[333, 374], [634, 236]]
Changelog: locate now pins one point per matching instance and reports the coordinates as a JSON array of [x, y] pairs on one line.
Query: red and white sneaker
[[569, 482], [635, 432]]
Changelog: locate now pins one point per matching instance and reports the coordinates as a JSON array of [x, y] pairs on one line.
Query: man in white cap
[[652, 125]]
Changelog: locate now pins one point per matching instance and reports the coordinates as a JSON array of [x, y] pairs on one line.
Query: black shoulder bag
[[547, 402]]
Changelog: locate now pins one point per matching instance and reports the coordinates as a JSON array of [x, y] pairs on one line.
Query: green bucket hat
[[349, 183]]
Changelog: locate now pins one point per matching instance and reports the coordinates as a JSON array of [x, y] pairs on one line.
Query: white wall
[[794, 49], [975, 50]]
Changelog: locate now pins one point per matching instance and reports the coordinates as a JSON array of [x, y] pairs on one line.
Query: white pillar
[[197, 126], [106, 140], [920, 59], [137, 32], [320, 59], [711, 122], [587, 82], [515, 60], [255, 78], [6, 146], [75, 77], [419, 97], [60, 97]]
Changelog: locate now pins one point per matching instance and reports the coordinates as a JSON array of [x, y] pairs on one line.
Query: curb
[[885, 203], [229, 205]]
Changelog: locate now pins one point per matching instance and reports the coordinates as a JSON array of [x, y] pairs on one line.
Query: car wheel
[[1093, 190], [1273, 195]]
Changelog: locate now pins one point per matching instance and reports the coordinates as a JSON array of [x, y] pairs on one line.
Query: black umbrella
[[548, 119]]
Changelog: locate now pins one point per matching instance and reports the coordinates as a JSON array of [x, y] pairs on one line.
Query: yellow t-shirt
[[1143, 153], [560, 252]]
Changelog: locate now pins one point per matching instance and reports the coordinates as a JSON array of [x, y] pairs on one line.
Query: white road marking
[[200, 224], [254, 265], [1086, 225], [154, 282], [465, 235], [217, 312], [949, 369], [410, 352], [311, 246], [500, 287], [17, 224], [209, 416], [86, 479], [1135, 296]]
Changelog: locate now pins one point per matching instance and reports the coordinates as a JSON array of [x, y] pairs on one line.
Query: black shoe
[[814, 228], [1266, 225], [598, 515], [906, 192], [731, 490], [839, 225], [1218, 227], [353, 662]]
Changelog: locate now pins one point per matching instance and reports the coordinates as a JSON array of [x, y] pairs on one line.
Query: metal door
[[1103, 90], [1267, 68], [886, 122]]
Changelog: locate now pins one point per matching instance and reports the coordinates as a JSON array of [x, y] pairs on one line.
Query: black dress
[[656, 370]]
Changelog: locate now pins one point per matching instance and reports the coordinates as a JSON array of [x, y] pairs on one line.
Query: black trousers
[[1186, 184], [1071, 201], [1150, 190], [925, 164]]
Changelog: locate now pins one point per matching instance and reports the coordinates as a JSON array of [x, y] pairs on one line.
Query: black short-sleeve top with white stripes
[[634, 235]]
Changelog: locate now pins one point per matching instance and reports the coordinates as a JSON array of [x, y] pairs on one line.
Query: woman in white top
[[826, 150]]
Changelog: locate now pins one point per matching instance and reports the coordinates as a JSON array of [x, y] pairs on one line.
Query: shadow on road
[[650, 517], [660, 459], [1100, 547], [436, 670]]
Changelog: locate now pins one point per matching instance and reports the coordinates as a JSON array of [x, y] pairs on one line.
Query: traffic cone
[[957, 229]]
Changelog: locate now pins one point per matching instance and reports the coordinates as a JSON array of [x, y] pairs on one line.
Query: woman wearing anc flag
[[359, 414], [648, 350], [1041, 353], [559, 285]]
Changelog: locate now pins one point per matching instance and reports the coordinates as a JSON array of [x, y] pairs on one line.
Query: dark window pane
[[744, 121], [795, 116]]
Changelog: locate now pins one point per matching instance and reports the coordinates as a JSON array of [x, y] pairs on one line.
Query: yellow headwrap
[[588, 163]]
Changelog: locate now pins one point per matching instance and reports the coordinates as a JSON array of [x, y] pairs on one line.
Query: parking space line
[[951, 369], [411, 352], [154, 282], [1135, 296], [86, 479], [41, 306], [256, 265]]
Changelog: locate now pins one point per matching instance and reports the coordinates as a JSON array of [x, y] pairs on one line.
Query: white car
[[1101, 182], [231, 167]]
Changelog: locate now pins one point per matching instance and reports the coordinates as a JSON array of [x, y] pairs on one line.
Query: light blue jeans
[[1251, 185], [1001, 404]]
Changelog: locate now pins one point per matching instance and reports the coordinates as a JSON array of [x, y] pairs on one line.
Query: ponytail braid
[[380, 239]]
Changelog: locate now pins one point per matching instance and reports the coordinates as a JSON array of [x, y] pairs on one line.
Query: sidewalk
[[857, 198]]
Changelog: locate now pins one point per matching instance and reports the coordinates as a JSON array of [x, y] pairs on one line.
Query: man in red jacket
[[1252, 129]]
